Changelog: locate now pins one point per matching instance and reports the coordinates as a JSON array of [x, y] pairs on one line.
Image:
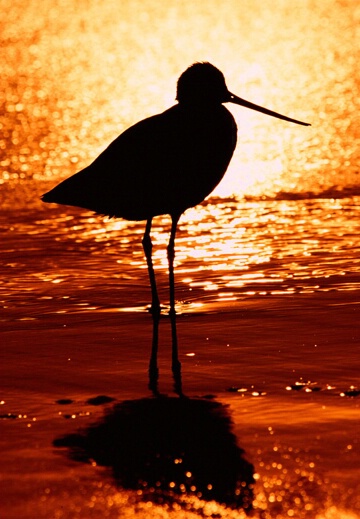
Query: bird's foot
[[155, 310]]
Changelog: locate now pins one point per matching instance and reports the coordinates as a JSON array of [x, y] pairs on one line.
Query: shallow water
[[226, 251], [267, 269]]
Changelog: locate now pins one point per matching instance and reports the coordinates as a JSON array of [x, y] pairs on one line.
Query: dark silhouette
[[166, 448], [163, 165]]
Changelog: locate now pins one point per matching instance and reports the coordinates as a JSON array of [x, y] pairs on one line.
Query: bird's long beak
[[238, 101]]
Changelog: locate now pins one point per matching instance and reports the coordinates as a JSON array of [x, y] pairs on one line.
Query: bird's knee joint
[[146, 241], [147, 246]]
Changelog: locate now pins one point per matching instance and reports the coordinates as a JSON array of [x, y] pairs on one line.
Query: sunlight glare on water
[[87, 75]]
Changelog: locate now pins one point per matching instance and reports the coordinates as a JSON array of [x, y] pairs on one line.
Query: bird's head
[[202, 83]]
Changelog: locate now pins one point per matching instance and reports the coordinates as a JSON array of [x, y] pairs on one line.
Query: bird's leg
[[155, 310], [176, 365]]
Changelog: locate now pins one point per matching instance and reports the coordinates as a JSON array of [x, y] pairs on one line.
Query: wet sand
[[303, 443]]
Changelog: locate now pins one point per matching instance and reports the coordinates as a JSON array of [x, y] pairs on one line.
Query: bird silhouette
[[163, 165]]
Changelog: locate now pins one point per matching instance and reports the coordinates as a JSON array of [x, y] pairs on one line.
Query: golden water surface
[[74, 76]]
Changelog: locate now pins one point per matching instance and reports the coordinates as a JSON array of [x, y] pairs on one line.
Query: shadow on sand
[[168, 448]]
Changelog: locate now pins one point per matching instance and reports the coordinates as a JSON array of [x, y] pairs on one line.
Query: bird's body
[[163, 165]]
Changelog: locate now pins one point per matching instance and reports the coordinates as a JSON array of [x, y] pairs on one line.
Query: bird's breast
[[199, 151]]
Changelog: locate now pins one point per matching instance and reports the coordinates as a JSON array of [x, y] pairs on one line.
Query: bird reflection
[[168, 449], [164, 164]]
